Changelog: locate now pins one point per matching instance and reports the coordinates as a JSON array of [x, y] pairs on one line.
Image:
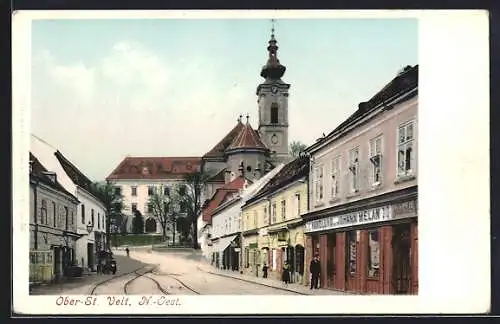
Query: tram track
[[145, 275], [95, 286]]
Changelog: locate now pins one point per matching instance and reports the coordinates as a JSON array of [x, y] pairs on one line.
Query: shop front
[[251, 253], [225, 253], [370, 250]]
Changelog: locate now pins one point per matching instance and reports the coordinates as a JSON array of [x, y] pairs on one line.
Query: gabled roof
[[247, 138], [404, 83], [38, 173], [218, 150], [72, 171], [293, 171], [220, 194], [132, 168]]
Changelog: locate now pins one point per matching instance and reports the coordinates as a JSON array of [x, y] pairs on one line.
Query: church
[[253, 152], [244, 151]]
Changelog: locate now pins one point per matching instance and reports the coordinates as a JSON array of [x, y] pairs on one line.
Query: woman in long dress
[[285, 276]]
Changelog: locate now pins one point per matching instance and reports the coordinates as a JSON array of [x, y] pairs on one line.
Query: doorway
[[350, 259], [90, 256], [57, 262], [290, 258], [401, 272], [331, 260]]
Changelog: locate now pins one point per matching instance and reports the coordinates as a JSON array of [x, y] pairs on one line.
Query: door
[[290, 251], [90, 255], [401, 272], [330, 261]]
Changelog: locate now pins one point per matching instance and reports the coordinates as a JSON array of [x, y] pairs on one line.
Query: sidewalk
[[273, 283]]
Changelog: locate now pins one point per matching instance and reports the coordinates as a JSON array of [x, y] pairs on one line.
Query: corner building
[[362, 220]]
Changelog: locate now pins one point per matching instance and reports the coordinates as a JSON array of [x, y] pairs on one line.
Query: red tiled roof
[[221, 193], [155, 168], [247, 138], [219, 149]]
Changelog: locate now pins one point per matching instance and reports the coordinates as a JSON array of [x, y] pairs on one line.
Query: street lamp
[[90, 227]]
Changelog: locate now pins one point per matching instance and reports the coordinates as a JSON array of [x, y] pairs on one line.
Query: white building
[[91, 213], [137, 178], [224, 211]]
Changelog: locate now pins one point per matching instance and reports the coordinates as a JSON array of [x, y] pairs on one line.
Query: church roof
[[218, 177], [247, 138], [218, 150], [155, 168]]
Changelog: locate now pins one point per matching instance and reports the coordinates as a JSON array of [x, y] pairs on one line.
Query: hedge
[[137, 239]]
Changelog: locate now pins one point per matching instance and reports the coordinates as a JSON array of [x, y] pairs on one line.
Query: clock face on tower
[[274, 139], [274, 89]]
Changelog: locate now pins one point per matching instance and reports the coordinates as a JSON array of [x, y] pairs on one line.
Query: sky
[[105, 89]]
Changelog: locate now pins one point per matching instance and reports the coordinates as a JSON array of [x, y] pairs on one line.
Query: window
[[255, 219], [351, 252], [247, 216], [166, 191], [335, 177], [54, 214], [318, 183], [354, 169], [83, 214], [406, 154], [229, 223], [98, 220], [118, 191], [373, 254], [66, 214], [134, 207], [283, 210], [134, 191], [273, 214], [151, 190], [150, 208], [376, 160], [274, 113], [43, 212], [182, 190], [267, 220], [72, 222], [297, 201], [92, 216]]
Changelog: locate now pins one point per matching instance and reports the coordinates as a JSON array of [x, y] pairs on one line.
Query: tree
[[163, 208], [192, 200], [296, 147], [137, 223], [113, 202], [121, 223]]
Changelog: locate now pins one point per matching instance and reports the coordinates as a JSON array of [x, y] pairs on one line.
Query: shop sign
[[281, 236], [252, 245], [364, 217]]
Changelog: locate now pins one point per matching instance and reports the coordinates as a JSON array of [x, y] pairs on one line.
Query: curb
[[257, 283]]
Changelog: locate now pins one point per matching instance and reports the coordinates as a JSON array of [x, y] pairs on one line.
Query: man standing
[[315, 269]]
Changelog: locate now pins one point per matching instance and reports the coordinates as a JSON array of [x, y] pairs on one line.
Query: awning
[[223, 243]]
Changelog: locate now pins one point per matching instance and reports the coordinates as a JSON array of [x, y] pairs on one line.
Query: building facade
[[139, 178], [272, 225], [91, 213], [52, 225], [362, 220]]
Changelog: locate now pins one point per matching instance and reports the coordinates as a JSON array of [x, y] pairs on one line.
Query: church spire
[[273, 69]]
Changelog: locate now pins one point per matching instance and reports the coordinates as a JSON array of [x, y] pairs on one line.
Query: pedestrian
[[264, 271], [315, 269], [128, 251], [285, 276]]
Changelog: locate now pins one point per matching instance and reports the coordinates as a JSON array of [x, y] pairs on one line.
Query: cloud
[[133, 101]]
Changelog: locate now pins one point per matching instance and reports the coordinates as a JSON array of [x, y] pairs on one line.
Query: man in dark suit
[[315, 269]]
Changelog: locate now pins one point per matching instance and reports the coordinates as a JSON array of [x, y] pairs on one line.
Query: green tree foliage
[[138, 223], [295, 148]]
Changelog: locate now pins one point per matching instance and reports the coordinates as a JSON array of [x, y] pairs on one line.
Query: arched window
[[150, 225], [66, 213], [274, 113]]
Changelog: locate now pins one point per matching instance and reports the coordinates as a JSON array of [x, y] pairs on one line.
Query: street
[[161, 273]]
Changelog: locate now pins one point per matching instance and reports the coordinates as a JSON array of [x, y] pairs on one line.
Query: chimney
[[227, 176], [51, 175]]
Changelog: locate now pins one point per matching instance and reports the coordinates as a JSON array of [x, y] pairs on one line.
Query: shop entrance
[[401, 277], [331, 260], [350, 259]]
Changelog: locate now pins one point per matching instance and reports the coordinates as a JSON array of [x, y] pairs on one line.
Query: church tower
[[273, 105]]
